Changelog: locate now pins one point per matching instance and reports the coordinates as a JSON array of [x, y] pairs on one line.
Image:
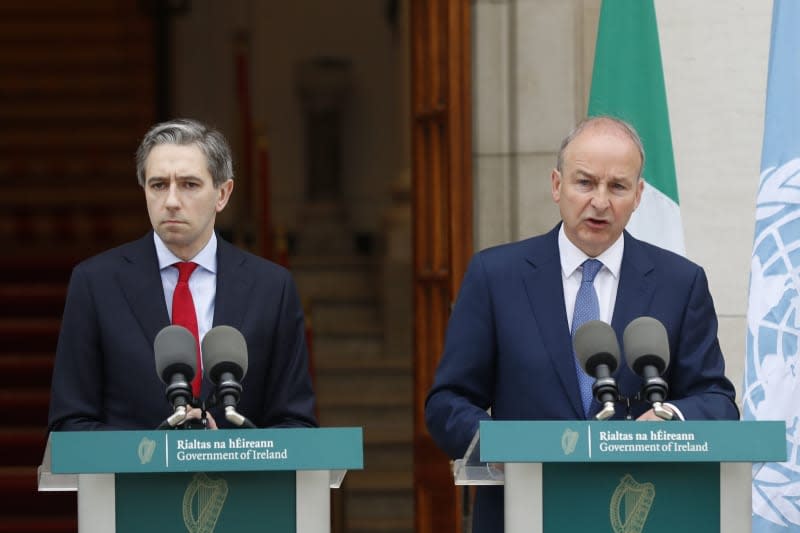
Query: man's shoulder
[[234, 255], [530, 248], [111, 258], [661, 258]]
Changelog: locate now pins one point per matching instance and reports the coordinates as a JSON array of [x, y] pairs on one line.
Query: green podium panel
[[226, 481], [614, 476], [631, 497], [97, 452], [222, 502], [671, 442]]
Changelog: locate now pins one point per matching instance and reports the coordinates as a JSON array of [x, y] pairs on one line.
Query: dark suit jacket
[[508, 346], [104, 375]]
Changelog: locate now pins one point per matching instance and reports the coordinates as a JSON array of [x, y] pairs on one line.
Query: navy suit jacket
[[508, 346], [104, 375]]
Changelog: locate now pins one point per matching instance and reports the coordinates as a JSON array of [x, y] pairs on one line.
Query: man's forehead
[[607, 131], [186, 159], [604, 129]]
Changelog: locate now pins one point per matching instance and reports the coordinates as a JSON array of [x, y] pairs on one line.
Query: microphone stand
[[655, 389], [178, 420], [237, 419], [231, 414], [174, 419]]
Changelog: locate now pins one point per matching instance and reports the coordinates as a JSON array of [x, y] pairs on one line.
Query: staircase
[[76, 91], [30, 312], [75, 96], [358, 384]]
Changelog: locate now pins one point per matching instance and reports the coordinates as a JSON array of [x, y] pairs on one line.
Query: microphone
[[225, 363], [175, 352], [597, 349], [647, 353]]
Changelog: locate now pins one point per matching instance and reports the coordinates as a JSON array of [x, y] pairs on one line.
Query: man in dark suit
[[105, 375], [508, 351]]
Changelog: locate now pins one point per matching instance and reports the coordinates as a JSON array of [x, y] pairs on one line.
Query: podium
[[620, 477], [253, 480]]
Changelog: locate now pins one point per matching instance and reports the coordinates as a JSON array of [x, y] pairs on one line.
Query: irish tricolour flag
[[628, 83]]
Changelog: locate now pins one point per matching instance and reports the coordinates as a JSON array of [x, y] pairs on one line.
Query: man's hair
[[602, 121], [185, 132]]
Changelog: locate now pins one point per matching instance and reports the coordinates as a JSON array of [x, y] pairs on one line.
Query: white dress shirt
[[606, 282], [202, 282]]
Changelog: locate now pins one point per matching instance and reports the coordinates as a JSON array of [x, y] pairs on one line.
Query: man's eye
[[157, 186]]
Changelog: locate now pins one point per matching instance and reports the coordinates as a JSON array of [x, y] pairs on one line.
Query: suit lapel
[[140, 280], [233, 285], [635, 290], [545, 290]]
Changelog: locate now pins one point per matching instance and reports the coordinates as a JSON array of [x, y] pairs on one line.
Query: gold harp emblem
[[202, 503], [630, 505]]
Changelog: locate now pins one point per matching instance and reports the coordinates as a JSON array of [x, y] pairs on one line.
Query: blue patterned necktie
[[586, 308]]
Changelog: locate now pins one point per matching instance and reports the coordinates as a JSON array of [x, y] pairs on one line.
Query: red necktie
[[184, 314]]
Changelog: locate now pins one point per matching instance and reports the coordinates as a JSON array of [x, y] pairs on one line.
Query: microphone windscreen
[[224, 350], [646, 343], [596, 343], [175, 350]]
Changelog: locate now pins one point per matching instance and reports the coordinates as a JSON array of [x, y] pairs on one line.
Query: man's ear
[[555, 185], [224, 191], [639, 190]]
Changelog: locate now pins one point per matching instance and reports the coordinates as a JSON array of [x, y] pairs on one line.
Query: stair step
[[380, 525], [354, 364], [373, 481], [345, 318], [50, 175], [43, 267], [390, 458], [383, 391], [344, 329], [89, 27], [19, 496], [25, 370], [334, 282], [57, 195], [26, 335], [68, 9], [336, 347], [383, 426], [25, 408], [379, 501], [380, 511], [22, 447], [32, 299], [83, 138], [36, 524], [98, 111]]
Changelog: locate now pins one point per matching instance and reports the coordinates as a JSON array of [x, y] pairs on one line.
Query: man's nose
[[172, 195], [600, 199]]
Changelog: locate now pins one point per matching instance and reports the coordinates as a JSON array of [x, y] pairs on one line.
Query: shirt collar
[[206, 258], [572, 257]]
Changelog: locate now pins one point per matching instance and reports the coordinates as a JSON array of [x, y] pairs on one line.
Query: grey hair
[[185, 132], [608, 121]]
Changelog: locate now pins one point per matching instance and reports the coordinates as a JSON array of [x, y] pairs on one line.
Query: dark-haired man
[[104, 375]]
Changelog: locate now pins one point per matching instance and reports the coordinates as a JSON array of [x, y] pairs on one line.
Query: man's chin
[[595, 244], [172, 237]]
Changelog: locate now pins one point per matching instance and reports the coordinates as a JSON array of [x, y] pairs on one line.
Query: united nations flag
[[772, 387]]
